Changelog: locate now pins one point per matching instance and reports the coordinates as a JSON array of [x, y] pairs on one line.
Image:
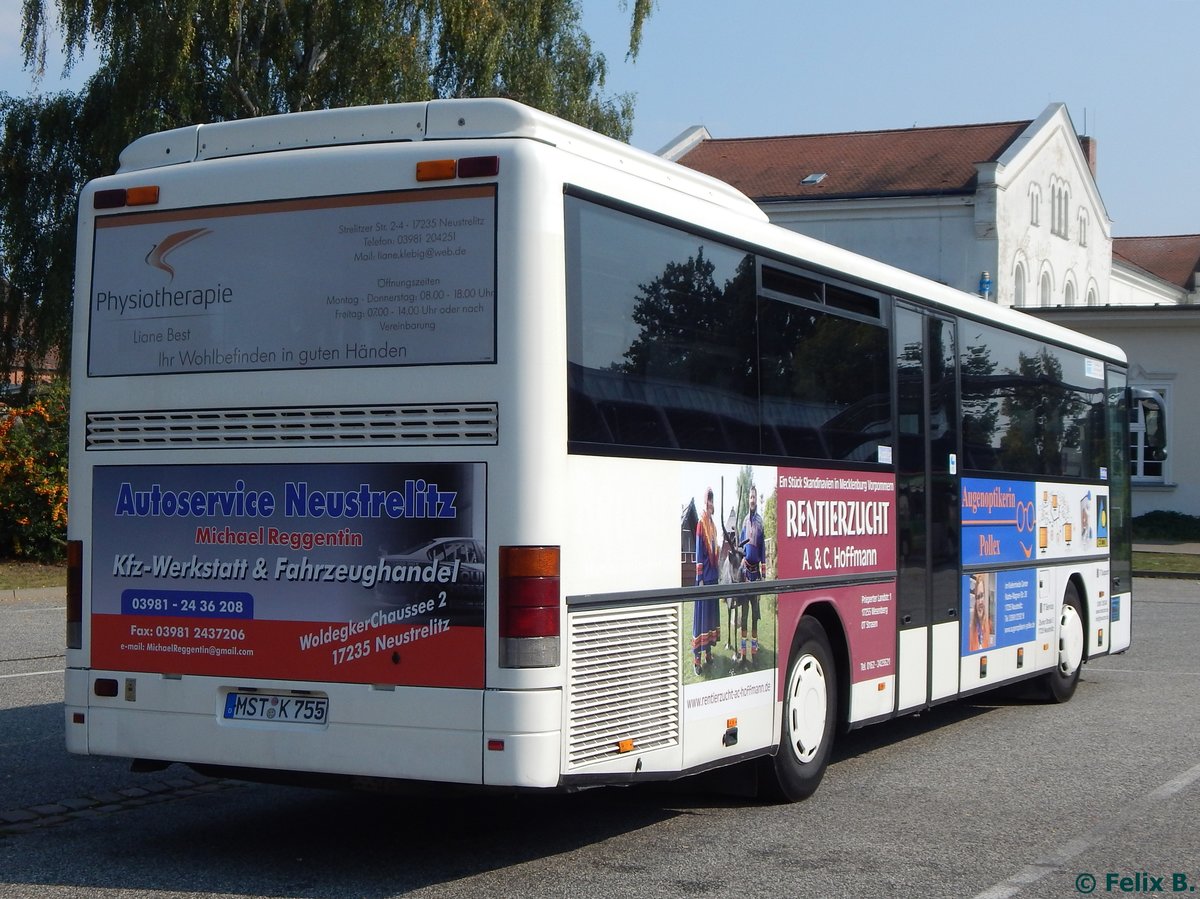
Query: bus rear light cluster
[[120, 197], [449, 169], [530, 606], [74, 594]]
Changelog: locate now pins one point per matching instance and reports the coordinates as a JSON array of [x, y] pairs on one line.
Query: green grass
[[28, 575], [1182, 563]]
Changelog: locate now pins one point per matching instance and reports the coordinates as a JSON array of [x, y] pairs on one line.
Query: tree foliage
[[681, 310], [33, 477], [167, 63]]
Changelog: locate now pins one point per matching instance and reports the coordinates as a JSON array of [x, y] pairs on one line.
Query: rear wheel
[[1061, 682], [809, 717]]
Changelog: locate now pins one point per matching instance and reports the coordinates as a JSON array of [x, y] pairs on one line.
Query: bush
[[33, 477], [1162, 525]]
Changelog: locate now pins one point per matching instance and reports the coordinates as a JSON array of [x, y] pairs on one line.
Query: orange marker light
[[142, 196], [437, 169]]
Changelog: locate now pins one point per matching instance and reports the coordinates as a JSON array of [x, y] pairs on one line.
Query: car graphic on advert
[[453, 566]]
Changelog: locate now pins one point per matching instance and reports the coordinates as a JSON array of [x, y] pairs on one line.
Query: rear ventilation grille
[[624, 683], [466, 424]]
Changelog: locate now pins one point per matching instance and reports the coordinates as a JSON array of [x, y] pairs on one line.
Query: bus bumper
[[522, 739]]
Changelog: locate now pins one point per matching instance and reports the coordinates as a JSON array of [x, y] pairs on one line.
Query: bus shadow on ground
[[256, 839]]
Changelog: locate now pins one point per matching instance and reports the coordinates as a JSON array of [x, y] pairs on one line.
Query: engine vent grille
[[455, 424], [624, 682]]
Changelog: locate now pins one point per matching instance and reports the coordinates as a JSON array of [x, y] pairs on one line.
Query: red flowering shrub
[[33, 477]]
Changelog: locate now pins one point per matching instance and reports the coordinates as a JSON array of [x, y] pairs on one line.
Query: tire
[[1060, 683], [810, 704]]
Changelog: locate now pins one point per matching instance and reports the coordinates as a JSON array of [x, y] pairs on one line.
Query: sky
[[1125, 70]]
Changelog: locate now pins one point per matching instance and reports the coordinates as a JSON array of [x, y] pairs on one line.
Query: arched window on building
[[1044, 291], [1019, 284], [1069, 294], [1083, 227], [1091, 297], [1035, 205], [1055, 204], [1060, 204]]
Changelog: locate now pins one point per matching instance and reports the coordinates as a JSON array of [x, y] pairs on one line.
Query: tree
[[1042, 415], [694, 330], [33, 477], [167, 63]]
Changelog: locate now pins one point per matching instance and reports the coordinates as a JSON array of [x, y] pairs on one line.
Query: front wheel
[[809, 717], [1060, 683]]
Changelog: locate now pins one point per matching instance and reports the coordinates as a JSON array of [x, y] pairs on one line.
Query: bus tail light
[[120, 197], [74, 594], [467, 167], [479, 167], [530, 606]]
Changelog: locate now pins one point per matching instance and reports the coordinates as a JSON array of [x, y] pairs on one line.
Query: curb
[[36, 594]]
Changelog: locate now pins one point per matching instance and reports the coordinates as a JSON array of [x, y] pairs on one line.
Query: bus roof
[[431, 120]]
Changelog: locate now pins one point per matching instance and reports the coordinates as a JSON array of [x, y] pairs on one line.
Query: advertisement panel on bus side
[[371, 573], [1021, 521], [744, 524], [1034, 522]]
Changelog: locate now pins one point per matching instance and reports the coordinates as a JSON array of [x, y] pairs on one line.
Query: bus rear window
[[382, 279]]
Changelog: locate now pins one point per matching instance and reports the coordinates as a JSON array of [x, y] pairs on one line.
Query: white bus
[[451, 442]]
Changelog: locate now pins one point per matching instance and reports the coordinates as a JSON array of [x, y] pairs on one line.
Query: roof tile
[[1174, 258], [915, 161]]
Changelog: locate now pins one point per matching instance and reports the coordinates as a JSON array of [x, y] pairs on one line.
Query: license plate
[[276, 707]]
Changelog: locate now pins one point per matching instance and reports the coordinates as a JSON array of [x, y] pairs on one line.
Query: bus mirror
[[1154, 414]]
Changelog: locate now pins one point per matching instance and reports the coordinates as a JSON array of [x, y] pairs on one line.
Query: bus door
[[927, 507]]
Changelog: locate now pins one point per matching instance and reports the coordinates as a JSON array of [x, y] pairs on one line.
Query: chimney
[[1088, 145]]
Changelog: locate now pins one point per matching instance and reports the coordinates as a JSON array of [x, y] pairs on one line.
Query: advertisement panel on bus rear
[[392, 278], [371, 573]]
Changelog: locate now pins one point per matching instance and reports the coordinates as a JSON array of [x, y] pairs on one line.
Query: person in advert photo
[[706, 612], [981, 633], [752, 542]]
